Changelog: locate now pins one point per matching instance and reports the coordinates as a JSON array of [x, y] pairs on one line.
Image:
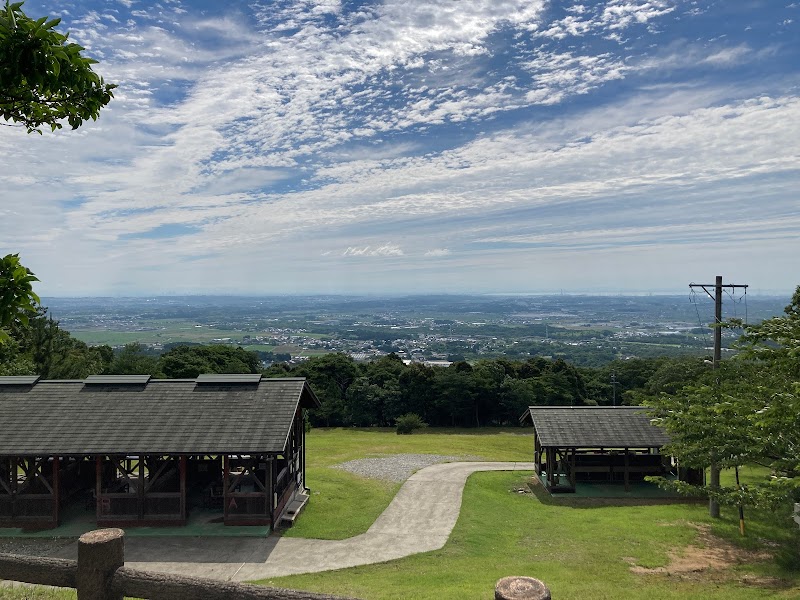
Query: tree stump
[[521, 588]]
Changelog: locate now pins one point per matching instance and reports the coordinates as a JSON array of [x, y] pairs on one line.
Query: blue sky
[[326, 146]]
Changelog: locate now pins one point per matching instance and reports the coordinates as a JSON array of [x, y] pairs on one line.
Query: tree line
[[361, 394]]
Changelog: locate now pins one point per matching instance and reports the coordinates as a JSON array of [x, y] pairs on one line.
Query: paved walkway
[[419, 519]]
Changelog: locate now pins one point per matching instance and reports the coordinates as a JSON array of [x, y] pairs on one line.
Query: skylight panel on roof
[[19, 379], [117, 380], [228, 379]]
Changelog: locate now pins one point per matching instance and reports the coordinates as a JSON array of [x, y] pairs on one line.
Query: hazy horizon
[[623, 293]]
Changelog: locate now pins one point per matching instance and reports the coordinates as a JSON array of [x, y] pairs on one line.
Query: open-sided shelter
[[593, 443], [143, 451]]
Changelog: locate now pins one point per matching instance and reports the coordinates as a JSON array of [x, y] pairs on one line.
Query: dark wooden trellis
[[29, 491], [140, 490]]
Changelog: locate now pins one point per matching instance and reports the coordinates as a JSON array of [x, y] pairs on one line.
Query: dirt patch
[[711, 558]]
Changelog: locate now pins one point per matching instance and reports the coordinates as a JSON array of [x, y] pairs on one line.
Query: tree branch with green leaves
[[17, 298], [44, 79]]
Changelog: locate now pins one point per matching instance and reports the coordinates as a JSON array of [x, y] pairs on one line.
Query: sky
[[407, 146]]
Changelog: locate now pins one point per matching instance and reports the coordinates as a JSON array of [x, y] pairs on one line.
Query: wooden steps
[[293, 510]]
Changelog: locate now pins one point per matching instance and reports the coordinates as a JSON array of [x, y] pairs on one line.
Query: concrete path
[[419, 519]]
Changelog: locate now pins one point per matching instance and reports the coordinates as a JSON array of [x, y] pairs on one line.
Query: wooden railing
[[100, 574]]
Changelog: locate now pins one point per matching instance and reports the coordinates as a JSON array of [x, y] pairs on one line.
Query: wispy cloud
[[385, 250], [320, 132]]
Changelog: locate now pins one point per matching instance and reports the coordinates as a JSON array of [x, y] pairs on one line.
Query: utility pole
[[713, 505]]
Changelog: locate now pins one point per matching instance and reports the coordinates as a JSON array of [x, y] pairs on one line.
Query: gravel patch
[[397, 467], [33, 546]]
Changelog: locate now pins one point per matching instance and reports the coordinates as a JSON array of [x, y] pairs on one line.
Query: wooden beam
[[98, 485], [572, 480], [182, 467], [140, 487], [271, 490], [225, 482], [56, 493], [627, 471]]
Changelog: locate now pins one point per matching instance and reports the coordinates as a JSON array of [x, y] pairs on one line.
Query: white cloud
[[385, 250], [314, 133]]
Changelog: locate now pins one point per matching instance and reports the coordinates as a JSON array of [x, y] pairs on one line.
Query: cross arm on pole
[[705, 287]]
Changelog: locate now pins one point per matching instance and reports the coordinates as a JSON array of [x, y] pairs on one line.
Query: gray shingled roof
[[595, 427], [161, 417]]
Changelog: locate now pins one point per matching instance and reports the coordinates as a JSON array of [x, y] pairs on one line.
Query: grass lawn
[[334, 492], [581, 550], [19, 592]]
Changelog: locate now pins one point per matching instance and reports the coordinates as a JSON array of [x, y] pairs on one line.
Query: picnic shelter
[[142, 451], [594, 443]]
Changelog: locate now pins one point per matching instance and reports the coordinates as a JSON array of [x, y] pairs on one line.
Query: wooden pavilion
[[593, 443], [138, 449]]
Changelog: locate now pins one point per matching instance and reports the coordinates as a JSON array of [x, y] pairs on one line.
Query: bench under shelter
[[596, 444], [144, 452]]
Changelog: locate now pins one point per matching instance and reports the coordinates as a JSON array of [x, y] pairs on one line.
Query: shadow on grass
[[572, 501], [475, 431], [481, 431]]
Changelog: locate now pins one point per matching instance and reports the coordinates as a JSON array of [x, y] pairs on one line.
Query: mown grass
[[20, 592], [334, 492], [582, 550], [336, 445]]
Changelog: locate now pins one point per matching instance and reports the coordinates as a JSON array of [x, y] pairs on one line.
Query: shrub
[[409, 422]]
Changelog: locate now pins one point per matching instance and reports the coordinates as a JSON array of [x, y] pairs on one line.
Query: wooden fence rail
[[35, 569], [100, 574]]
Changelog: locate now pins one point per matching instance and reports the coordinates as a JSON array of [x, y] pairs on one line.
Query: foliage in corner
[[43, 78], [747, 412], [17, 298]]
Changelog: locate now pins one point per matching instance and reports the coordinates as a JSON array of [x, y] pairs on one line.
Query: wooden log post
[[100, 554], [521, 588]]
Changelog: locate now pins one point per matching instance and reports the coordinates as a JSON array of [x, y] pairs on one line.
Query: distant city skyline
[[409, 147]]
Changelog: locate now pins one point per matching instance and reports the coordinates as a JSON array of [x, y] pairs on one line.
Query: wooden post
[[226, 470], [56, 495], [14, 485], [98, 487], [549, 466], [521, 588], [573, 481], [100, 554], [183, 462], [270, 485], [627, 472], [140, 499]]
